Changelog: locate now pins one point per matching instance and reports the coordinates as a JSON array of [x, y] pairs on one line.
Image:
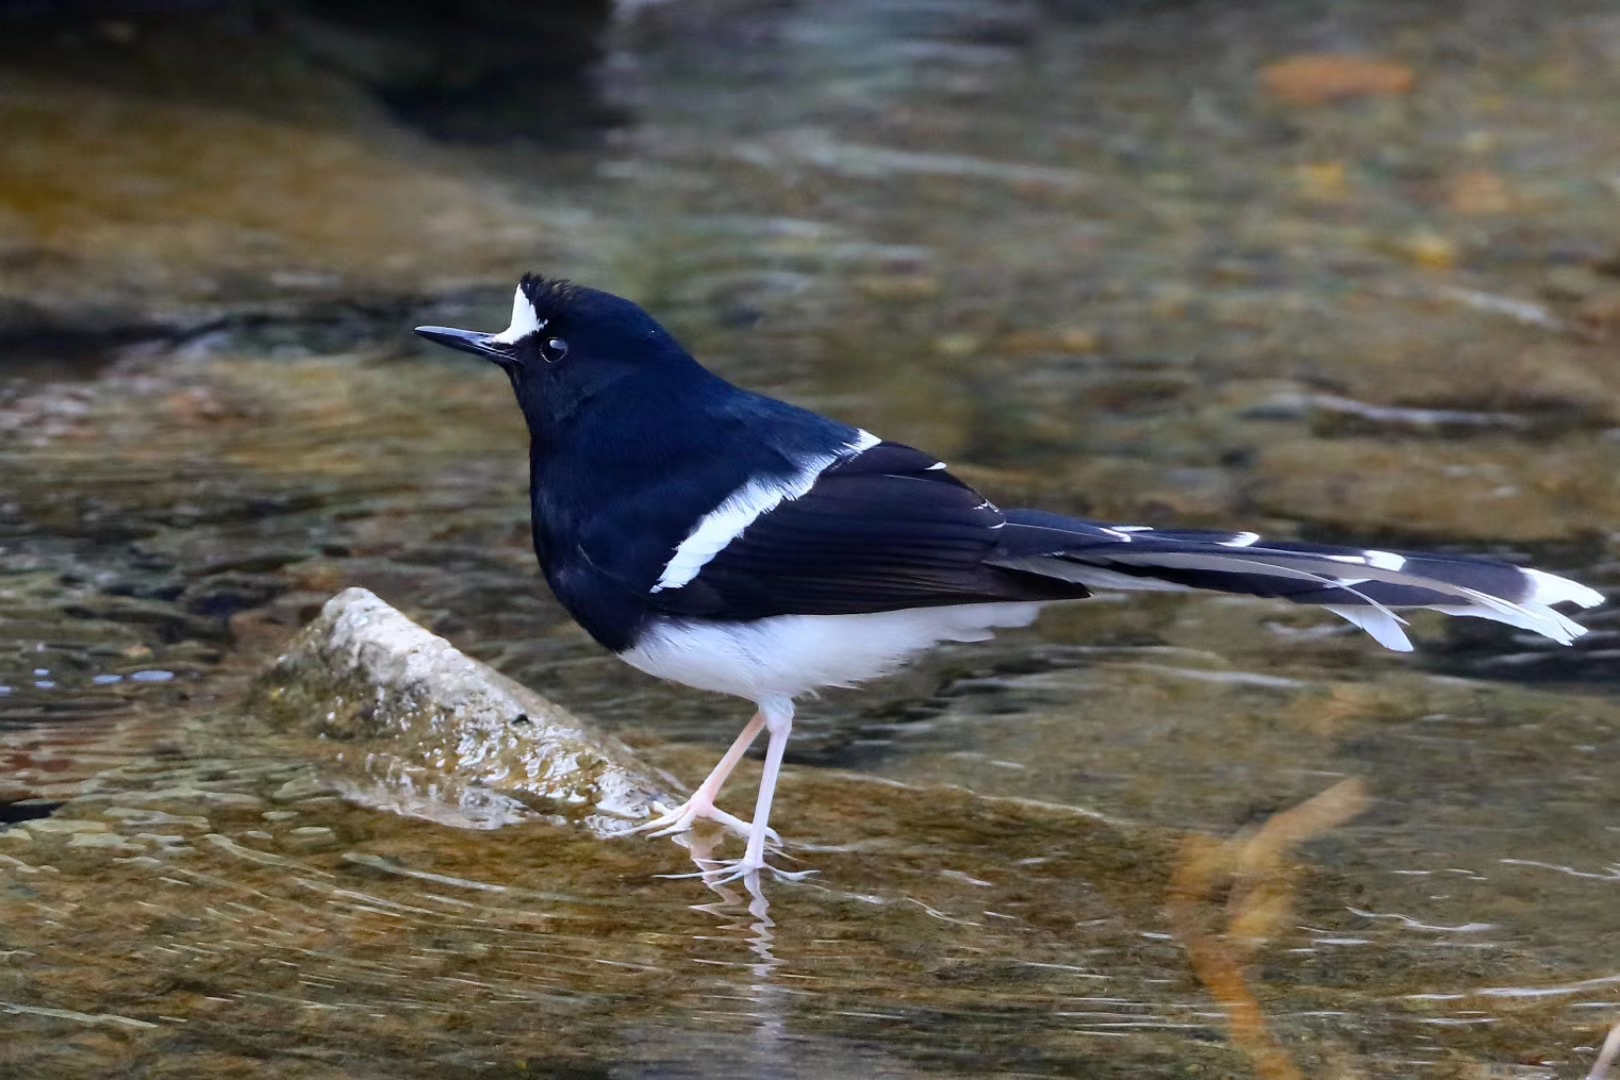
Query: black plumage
[[737, 543]]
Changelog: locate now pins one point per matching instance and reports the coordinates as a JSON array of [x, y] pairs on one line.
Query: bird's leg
[[701, 804], [778, 714]]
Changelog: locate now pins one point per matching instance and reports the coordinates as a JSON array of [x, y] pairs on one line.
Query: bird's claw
[[736, 870], [726, 871], [681, 819]]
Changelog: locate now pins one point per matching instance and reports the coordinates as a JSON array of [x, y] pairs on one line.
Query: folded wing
[[884, 529]]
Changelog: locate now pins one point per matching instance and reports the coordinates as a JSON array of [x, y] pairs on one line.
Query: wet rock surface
[[441, 735], [1091, 255]]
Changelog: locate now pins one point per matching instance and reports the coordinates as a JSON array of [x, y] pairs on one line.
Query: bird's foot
[[726, 871], [729, 870], [683, 817]]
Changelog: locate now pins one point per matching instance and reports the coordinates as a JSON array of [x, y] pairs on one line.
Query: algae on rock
[[437, 734]]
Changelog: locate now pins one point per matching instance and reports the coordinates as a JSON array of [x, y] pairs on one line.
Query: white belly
[[790, 655]]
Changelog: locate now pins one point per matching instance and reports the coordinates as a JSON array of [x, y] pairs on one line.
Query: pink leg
[[701, 804], [779, 718]]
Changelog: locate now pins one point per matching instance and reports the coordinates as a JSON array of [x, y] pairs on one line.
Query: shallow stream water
[[1099, 264]]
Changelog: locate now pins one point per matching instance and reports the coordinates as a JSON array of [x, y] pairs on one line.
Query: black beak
[[469, 341]]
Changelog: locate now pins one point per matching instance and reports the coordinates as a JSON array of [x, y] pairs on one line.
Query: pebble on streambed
[[425, 730]]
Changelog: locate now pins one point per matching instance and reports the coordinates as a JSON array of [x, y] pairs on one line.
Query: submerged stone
[[63, 826], [436, 734]]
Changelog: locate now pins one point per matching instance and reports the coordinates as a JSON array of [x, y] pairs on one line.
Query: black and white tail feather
[[1365, 586]]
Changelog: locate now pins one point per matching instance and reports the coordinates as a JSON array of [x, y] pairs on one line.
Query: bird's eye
[[554, 350]]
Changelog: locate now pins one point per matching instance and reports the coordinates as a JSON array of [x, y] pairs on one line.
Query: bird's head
[[566, 344]]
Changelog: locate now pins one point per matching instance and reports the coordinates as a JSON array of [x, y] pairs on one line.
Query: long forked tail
[[1368, 587]]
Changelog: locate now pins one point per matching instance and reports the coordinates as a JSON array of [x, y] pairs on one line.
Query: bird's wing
[[878, 530]]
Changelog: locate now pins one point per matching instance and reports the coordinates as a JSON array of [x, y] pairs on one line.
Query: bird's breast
[[792, 655]]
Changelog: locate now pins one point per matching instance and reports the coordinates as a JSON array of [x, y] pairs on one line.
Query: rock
[[312, 838], [303, 787], [137, 816], [1599, 315], [184, 797], [1322, 181], [1427, 249], [63, 826], [1478, 192], [898, 286], [440, 735], [105, 842], [1061, 340], [1324, 78]]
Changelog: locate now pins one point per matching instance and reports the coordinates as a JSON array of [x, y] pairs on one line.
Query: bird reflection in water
[[772, 1051], [716, 874]]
